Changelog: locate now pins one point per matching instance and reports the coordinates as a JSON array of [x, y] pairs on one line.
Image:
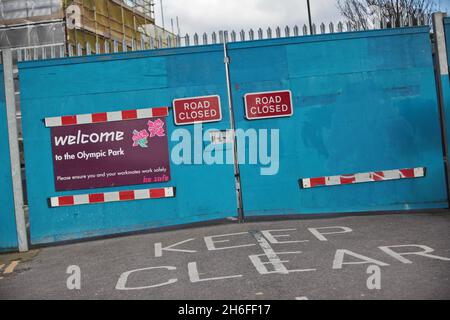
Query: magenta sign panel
[[110, 154]]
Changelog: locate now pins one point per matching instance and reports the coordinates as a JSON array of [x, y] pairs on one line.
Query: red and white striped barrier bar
[[363, 178], [106, 117], [112, 197]]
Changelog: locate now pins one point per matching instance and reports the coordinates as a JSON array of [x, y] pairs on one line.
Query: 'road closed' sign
[[197, 110], [263, 105]]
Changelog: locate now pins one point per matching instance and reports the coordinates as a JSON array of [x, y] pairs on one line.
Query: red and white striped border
[[363, 178], [106, 117], [120, 196]]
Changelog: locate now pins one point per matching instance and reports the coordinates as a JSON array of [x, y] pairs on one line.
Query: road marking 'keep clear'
[[265, 240]]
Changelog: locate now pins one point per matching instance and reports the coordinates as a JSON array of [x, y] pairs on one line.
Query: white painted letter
[[276, 263], [210, 243], [159, 248], [320, 235], [194, 276], [122, 282], [399, 255], [273, 238], [339, 259], [273, 257]]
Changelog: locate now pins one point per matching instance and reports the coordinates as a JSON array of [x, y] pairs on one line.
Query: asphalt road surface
[[405, 256]]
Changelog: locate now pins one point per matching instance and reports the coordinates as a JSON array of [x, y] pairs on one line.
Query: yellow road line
[[11, 267]]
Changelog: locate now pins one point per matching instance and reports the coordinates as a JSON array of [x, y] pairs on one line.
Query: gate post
[[14, 152], [442, 84], [237, 173]]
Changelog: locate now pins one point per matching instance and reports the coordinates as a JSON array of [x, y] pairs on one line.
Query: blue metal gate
[[363, 102], [112, 83]]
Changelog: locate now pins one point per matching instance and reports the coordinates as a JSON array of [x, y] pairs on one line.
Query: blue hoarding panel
[[363, 102], [114, 83]]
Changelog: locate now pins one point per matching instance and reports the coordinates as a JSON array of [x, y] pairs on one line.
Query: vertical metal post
[[309, 18], [237, 173], [441, 63], [178, 26], [162, 16], [14, 152]]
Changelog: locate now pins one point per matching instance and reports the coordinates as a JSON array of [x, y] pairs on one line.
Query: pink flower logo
[[156, 128], [140, 138]]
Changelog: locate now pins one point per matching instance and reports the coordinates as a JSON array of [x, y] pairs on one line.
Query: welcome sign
[[110, 154]]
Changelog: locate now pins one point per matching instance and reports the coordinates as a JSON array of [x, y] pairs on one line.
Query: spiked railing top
[[171, 41]]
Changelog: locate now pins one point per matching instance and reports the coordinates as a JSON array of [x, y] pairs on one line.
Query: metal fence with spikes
[[115, 46]]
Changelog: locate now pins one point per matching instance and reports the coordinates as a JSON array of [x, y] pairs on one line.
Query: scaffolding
[[95, 25], [100, 23], [17, 12]]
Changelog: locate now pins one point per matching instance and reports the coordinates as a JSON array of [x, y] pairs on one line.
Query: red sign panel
[[197, 110], [263, 105]]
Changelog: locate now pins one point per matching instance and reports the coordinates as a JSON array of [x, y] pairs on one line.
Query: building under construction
[[93, 26]]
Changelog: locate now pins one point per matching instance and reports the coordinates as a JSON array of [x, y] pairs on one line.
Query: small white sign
[[221, 137]]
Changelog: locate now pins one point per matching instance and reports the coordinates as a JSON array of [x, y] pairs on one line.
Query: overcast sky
[[213, 15]]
